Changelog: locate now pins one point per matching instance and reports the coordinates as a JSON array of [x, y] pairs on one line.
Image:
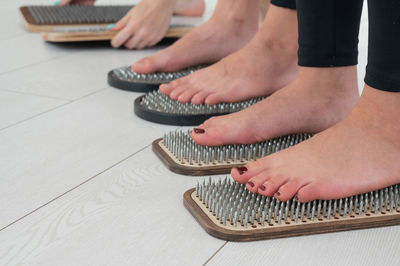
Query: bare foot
[[358, 155], [317, 99], [189, 8], [224, 33], [266, 64]]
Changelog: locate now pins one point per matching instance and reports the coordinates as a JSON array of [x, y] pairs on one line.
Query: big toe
[[146, 65], [251, 170], [213, 136], [309, 192]]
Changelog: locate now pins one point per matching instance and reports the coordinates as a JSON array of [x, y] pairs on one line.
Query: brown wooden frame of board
[[280, 232], [173, 32], [189, 170], [51, 36]]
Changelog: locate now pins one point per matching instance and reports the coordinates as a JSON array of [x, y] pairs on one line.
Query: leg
[[383, 69], [357, 155], [319, 97], [232, 25], [189, 7], [263, 66], [316, 100]]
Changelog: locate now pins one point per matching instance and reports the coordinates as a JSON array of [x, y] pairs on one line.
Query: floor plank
[[64, 78], [130, 215], [364, 247], [79, 186], [29, 50], [53, 152], [17, 107], [10, 30]]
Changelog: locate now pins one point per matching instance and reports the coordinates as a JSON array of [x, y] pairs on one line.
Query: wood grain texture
[[189, 170], [283, 231], [54, 152], [372, 247], [111, 219], [129, 215], [64, 78], [174, 32], [49, 35]]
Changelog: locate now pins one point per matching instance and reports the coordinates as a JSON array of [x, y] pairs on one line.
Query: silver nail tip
[[159, 102], [182, 147], [128, 75], [77, 14], [243, 209]]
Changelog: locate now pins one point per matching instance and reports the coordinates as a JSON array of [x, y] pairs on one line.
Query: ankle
[[242, 15], [380, 111], [340, 79], [332, 92], [279, 31], [286, 48]]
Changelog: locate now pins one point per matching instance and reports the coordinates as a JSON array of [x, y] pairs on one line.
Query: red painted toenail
[[278, 193], [250, 183], [296, 198], [262, 188], [242, 170], [199, 131]]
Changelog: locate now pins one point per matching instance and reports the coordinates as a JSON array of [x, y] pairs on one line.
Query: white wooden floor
[[79, 184]]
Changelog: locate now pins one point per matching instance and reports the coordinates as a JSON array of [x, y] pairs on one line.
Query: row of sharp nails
[[162, 103], [231, 202], [128, 74], [186, 151], [76, 14]]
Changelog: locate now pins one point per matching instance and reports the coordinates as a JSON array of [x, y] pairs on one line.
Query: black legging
[[328, 36], [383, 69], [285, 3]]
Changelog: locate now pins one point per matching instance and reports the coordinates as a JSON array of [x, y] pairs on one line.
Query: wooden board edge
[[50, 36], [77, 36], [26, 15], [186, 170], [178, 32], [28, 20], [281, 232], [202, 218], [31, 25]]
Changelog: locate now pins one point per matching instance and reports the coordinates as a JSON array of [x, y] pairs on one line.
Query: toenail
[[242, 169], [296, 198], [278, 194], [199, 131], [250, 183], [262, 188]]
